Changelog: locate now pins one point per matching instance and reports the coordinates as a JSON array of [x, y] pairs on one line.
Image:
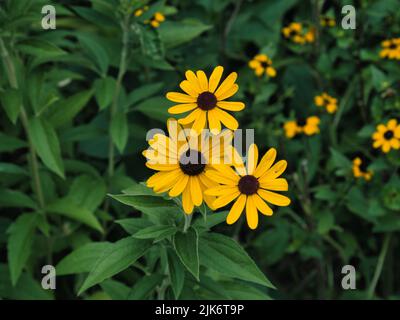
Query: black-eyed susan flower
[[387, 136], [327, 22], [262, 64], [181, 160], [390, 49], [297, 33], [140, 11], [326, 101], [204, 99], [156, 20], [250, 186], [308, 126], [360, 169]]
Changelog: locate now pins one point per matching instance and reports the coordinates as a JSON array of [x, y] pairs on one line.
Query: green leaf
[[71, 210], [226, 256], [143, 92], [40, 48], [176, 273], [12, 169], [139, 202], [104, 91], [145, 286], [119, 130], [155, 108], [211, 220], [63, 111], [11, 100], [155, 232], [176, 33], [119, 256], [9, 144], [15, 199], [187, 248], [83, 259], [19, 244], [133, 225], [47, 145], [95, 51], [243, 291], [115, 289]]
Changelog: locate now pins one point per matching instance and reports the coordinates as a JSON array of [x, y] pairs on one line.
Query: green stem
[[379, 266], [188, 220], [12, 78]]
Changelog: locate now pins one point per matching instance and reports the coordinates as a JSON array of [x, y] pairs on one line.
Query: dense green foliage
[[76, 105]]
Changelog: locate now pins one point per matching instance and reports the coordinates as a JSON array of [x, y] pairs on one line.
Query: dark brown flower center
[[248, 185], [301, 122], [206, 100], [192, 162], [388, 135], [265, 64], [392, 46]]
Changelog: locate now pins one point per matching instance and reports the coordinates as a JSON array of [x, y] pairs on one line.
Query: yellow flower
[[359, 171], [261, 64], [296, 33], [156, 20], [327, 22], [387, 136], [204, 99], [390, 49], [182, 160], [140, 11], [309, 127], [250, 186], [325, 100]]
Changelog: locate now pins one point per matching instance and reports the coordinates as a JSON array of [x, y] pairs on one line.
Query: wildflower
[[250, 186], [156, 20], [140, 11], [360, 170], [387, 136], [261, 64], [182, 160], [204, 98], [327, 101], [327, 22], [390, 49], [296, 33], [309, 127]]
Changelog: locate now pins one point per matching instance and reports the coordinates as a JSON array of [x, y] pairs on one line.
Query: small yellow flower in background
[[327, 101], [262, 64], [204, 99], [327, 22], [140, 11], [182, 161], [359, 169], [249, 186], [309, 127], [387, 136], [298, 34], [390, 49], [156, 20]]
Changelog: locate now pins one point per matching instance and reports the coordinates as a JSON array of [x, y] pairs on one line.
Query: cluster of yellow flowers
[[262, 64], [326, 101], [154, 21], [298, 34], [387, 136], [309, 127], [359, 170], [193, 163], [327, 22], [390, 49]]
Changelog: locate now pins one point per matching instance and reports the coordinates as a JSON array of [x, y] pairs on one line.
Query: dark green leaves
[[11, 101], [224, 255], [175, 33], [187, 248], [119, 256], [119, 130]]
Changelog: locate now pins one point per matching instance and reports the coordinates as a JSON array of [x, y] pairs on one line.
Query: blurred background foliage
[[77, 103]]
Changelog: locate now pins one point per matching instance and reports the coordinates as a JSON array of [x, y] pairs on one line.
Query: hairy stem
[[188, 220]]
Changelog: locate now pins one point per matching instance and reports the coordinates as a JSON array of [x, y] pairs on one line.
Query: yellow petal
[[191, 77], [228, 120], [180, 97], [196, 192], [262, 206], [236, 209], [392, 124], [274, 198], [162, 167], [215, 78], [223, 200], [220, 178], [221, 190], [180, 185], [251, 213], [231, 105], [191, 117], [252, 159], [201, 76], [226, 84], [200, 123], [228, 93], [386, 147], [279, 184], [182, 108], [213, 122], [266, 162], [227, 171], [189, 88], [275, 171], [187, 202]]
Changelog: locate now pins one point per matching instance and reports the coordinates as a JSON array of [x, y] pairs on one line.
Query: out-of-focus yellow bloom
[[359, 171], [298, 34], [390, 49], [262, 64], [309, 127], [326, 101], [156, 20], [140, 11], [387, 136], [327, 22]]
